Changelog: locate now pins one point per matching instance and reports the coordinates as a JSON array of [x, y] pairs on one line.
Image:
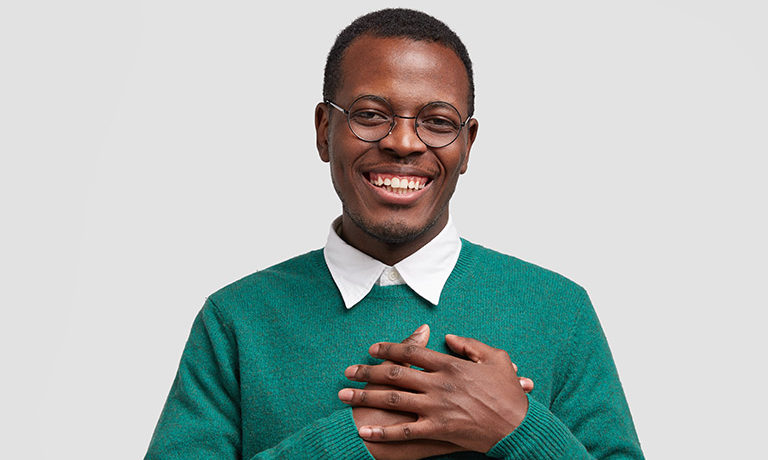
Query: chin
[[392, 231]]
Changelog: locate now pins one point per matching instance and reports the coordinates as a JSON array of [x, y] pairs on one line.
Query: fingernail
[[374, 350], [365, 432], [421, 329], [350, 372], [346, 394]]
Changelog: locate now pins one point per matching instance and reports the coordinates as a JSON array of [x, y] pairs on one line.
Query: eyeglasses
[[371, 119]]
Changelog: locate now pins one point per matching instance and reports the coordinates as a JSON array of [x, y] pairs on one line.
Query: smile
[[398, 184]]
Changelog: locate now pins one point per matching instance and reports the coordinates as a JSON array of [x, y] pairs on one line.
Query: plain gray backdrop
[[155, 151]]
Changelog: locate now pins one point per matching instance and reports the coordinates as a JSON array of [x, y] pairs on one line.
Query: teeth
[[399, 185]]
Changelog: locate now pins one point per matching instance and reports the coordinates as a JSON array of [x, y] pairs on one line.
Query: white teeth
[[399, 185]]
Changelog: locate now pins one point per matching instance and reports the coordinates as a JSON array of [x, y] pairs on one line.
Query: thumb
[[420, 336], [473, 349]]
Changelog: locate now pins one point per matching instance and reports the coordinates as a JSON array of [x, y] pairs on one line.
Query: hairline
[[373, 34]]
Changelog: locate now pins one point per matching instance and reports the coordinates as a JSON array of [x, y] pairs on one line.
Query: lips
[[395, 183]]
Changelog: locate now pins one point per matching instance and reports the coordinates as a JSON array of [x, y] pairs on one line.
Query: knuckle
[[394, 372], [393, 398], [407, 432], [363, 395], [410, 350], [448, 387]]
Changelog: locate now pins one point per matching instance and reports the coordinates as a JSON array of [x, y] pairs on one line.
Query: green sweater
[[260, 373]]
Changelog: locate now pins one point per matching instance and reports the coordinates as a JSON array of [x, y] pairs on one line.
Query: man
[[301, 360]]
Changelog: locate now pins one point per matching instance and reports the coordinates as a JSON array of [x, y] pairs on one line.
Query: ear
[[322, 121], [472, 127]]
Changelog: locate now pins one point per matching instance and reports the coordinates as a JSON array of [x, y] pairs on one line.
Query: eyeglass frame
[[394, 116]]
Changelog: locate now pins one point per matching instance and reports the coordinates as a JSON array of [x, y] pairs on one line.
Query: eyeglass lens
[[372, 118]]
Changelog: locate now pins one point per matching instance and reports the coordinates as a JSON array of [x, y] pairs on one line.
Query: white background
[[154, 151]]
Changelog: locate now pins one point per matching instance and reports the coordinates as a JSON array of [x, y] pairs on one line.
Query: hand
[[372, 416], [472, 404]]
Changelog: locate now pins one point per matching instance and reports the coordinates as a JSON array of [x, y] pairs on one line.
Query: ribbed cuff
[[541, 435], [336, 437]]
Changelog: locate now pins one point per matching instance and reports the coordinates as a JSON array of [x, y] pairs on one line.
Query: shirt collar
[[424, 271]]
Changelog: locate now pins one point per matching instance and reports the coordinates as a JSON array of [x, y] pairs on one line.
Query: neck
[[388, 253]]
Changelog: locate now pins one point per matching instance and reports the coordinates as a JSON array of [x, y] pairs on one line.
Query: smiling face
[[395, 191]]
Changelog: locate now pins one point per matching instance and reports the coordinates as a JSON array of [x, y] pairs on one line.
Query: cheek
[[342, 171], [454, 163]]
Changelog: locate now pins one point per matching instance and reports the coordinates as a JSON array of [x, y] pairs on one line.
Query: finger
[[473, 349], [526, 383], [401, 432], [420, 337], [389, 374], [402, 401], [408, 353]]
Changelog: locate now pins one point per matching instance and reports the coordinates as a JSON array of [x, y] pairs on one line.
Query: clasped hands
[[452, 405]]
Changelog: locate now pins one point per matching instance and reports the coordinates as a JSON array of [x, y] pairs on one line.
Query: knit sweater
[[264, 362]]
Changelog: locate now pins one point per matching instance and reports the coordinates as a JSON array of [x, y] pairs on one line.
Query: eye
[[439, 124], [369, 117]]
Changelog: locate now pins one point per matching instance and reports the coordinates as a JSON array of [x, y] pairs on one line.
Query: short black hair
[[395, 22]]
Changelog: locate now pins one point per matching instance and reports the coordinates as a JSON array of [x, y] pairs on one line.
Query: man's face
[[408, 74]]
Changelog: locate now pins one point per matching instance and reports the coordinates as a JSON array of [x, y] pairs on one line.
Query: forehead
[[406, 72]]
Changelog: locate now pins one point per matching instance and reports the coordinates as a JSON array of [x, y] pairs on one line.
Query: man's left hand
[[471, 403]]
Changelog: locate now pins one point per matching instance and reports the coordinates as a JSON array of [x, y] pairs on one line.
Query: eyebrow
[[389, 101]]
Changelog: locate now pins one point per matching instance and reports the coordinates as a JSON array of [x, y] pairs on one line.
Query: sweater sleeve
[[201, 417], [588, 416]]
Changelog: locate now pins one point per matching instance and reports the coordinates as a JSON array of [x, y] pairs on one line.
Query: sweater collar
[[425, 271]]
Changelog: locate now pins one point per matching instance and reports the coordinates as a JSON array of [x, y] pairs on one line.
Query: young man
[[275, 360]]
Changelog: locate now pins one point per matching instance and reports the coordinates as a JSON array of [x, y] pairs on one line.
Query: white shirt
[[425, 271]]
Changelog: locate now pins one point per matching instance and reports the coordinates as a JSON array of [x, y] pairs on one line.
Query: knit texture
[[264, 362]]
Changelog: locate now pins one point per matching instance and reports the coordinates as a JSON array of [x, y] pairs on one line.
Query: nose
[[403, 140]]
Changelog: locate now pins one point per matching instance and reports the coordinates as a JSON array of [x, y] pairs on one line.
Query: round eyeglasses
[[371, 119]]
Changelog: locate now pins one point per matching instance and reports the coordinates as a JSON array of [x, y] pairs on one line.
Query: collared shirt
[[425, 271]]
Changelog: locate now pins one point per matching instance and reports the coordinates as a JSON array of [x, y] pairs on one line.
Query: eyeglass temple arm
[[332, 104]]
